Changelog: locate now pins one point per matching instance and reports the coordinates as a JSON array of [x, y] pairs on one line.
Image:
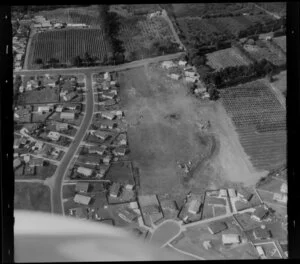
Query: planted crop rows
[[260, 121], [281, 42], [66, 44], [225, 58]]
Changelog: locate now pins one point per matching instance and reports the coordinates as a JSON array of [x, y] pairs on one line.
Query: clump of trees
[[231, 75]]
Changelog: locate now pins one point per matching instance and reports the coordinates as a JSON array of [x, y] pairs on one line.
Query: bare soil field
[[163, 128], [32, 196], [156, 140]]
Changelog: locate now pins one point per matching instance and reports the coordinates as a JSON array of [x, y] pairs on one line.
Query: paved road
[[88, 70], [63, 168]]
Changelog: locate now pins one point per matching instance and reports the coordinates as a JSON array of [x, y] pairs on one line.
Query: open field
[[194, 237], [156, 140], [67, 44], [42, 172], [45, 95], [165, 232], [32, 196], [225, 58], [260, 121]]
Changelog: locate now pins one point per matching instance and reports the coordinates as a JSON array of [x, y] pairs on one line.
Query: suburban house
[[168, 64], [229, 239], [61, 126], [54, 135], [107, 76], [107, 124], [99, 150], [283, 188], [84, 171], [114, 190], [108, 115], [101, 172], [260, 213], [129, 186], [82, 199], [37, 162], [280, 197], [217, 227], [194, 206], [100, 134], [261, 233], [46, 109], [67, 115], [69, 96], [223, 193], [182, 63], [232, 193], [109, 102], [107, 159], [59, 108], [82, 187], [119, 151]]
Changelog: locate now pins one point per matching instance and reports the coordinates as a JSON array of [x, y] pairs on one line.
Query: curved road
[[63, 168]]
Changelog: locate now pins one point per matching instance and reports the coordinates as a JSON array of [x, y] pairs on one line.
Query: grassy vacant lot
[[41, 173], [245, 221], [193, 238], [45, 95], [164, 233], [156, 139], [32, 196], [120, 172], [69, 191], [272, 185]]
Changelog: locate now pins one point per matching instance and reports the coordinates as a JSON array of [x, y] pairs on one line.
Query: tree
[[110, 58], [53, 61], [198, 61], [76, 61], [213, 93], [119, 58], [130, 56], [38, 61]]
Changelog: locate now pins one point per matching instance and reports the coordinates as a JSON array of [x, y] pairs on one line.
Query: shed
[[61, 126], [119, 151], [217, 227], [182, 63]]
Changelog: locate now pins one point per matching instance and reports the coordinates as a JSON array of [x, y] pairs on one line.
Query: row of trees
[[230, 75]]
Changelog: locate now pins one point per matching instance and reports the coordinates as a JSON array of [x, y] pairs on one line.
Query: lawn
[[45, 95], [219, 210], [42, 172], [267, 197], [32, 196], [120, 172], [194, 237], [272, 185], [68, 191], [245, 221], [164, 233]]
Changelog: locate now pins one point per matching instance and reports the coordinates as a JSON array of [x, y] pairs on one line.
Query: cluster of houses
[[19, 46], [42, 24], [178, 70]]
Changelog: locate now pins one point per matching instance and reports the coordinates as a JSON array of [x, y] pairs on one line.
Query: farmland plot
[[67, 44], [225, 58], [262, 51], [137, 33], [260, 120]]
